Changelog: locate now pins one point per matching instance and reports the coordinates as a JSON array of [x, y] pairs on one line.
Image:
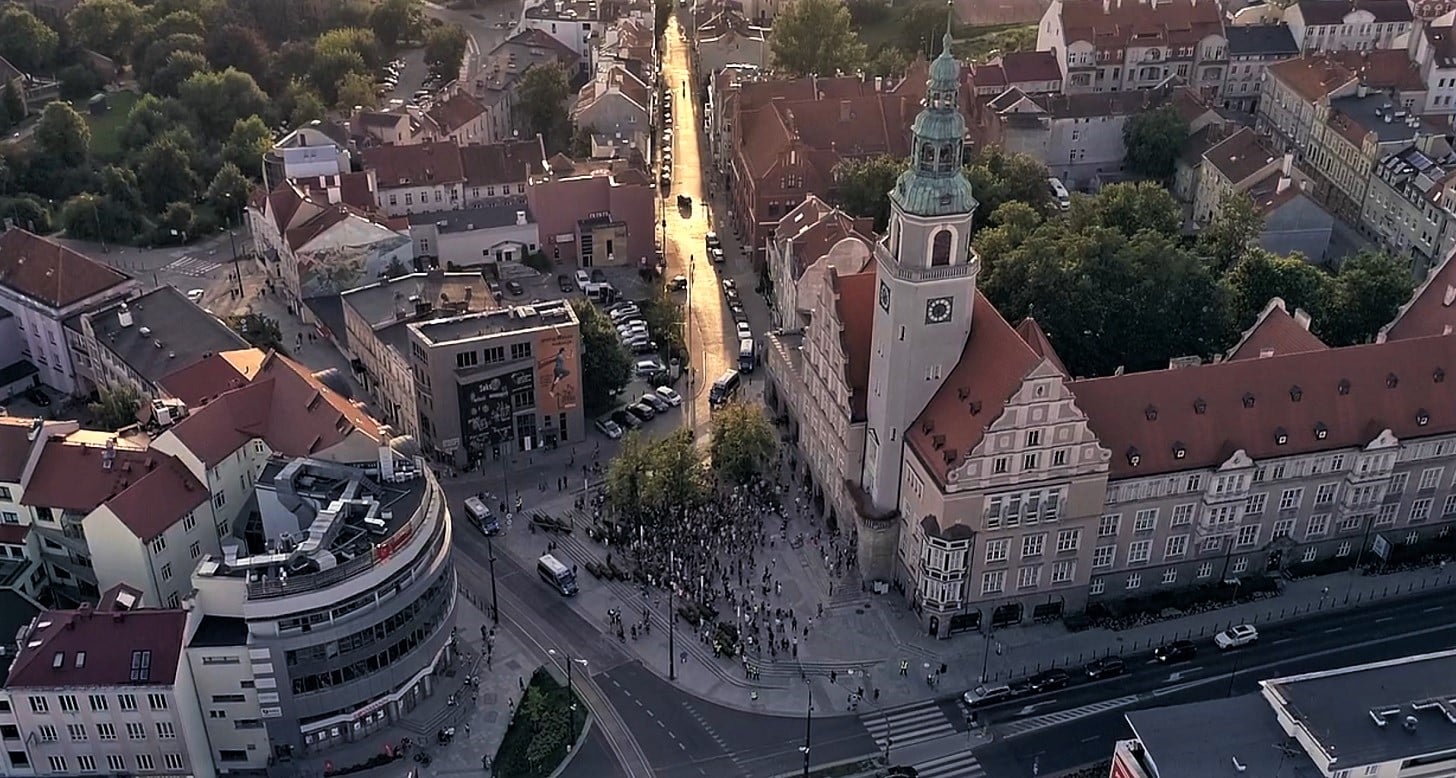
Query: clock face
[[884, 296], [938, 310]]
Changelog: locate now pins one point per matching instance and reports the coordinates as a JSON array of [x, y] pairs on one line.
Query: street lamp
[[569, 689], [494, 598], [808, 723], [671, 621]]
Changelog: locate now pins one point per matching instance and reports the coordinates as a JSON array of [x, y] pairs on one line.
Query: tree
[[605, 365], [1232, 234], [246, 145], [26, 211], [1131, 208], [445, 50], [92, 217], [164, 175], [180, 23], [79, 81], [921, 26], [107, 26], [150, 117], [63, 134], [167, 80], [396, 21], [664, 317], [238, 46], [1154, 139], [116, 406], [1260, 276], [1363, 297], [864, 186], [742, 442], [154, 57], [656, 478], [259, 331], [331, 68], [356, 89], [218, 100], [815, 37], [998, 176], [228, 191], [887, 61], [12, 105], [541, 99], [301, 104], [350, 39], [25, 40], [175, 225]]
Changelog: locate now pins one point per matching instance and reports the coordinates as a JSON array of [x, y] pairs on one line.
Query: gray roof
[[486, 218], [1261, 39], [179, 334], [1370, 111], [1339, 708], [388, 301], [521, 318], [1247, 731]]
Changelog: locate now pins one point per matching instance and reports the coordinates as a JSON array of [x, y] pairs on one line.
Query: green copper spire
[[935, 184]]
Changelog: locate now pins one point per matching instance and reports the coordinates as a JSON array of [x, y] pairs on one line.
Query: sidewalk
[[480, 718]]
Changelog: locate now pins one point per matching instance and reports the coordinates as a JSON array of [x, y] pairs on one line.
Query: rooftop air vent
[[1151, 412], [1343, 387], [1200, 406], [1248, 399], [1423, 417], [1133, 457], [1391, 380], [1179, 450], [1295, 393], [1281, 436], [1321, 431]]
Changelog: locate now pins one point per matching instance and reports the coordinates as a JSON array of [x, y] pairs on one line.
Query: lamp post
[[570, 690], [494, 598], [671, 621], [808, 723], [985, 655]]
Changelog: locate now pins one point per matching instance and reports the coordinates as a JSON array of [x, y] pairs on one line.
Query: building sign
[[1381, 548], [487, 410], [558, 372]]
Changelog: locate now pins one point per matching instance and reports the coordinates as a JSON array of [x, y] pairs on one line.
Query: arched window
[[948, 158], [940, 249]]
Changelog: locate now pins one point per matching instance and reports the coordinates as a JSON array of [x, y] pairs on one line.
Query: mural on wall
[[335, 269], [558, 372]]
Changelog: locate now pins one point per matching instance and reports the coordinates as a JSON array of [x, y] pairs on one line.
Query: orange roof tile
[[90, 647], [854, 302], [1036, 338], [1276, 332], [51, 273], [422, 164], [1432, 308]]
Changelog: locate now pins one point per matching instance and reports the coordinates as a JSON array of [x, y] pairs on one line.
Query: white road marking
[[1333, 630], [1384, 619], [1280, 640], [1433, 609]]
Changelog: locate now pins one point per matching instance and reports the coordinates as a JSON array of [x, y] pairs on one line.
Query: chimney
[[1301, 317], [1283, 184], [844, 113], [123, 316], [520, 218]]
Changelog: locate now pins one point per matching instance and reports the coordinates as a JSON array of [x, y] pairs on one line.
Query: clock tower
[[926, 275]]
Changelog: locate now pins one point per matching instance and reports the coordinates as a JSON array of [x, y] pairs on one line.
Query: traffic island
[[544, 730]]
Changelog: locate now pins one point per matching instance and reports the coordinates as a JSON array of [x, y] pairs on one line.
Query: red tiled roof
[[1240, 155], [460, 110], [89, 647], [70, 475], [992, 365], [1276, 332], [160, 499], [203, 380], [1313, 76], [1029, 66], [1036, 338], [1248, 403], [14, 534], [14, 447], [855, 306], [1432, 308], [1180, 22], [423, 164], [353, 189], [1325, 12], [49, 272], [503, 163]]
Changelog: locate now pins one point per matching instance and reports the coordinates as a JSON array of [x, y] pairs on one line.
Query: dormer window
[[1248, 399], [1343, 387], [1438, 375], [1423, 417], [1133, 457], [1295, 393], [1200, 406], [1391, 379], [1281, 437], [1321, 431], [1179, 450], [975, 407], [1151, 412]]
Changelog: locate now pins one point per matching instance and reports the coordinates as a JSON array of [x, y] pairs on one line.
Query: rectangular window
[[1240, 565], [997, 550], [1248, 536], [1397, 484], [1385, 517], [1182, 515], [135, 731], [39, 705], [69, 704], [999, 465], [1430, 478], [1134, 580], [1170, 576], [157, 701], [47, 733], [466, 359], [1283, 528], [98, 701], [76, 731], [167, 572], [86, 763], [115, 763], [189, 522], [1028, 577], [1254, 504], [173, 761], [520, 351], [1319, 525], [1103, 556], [105, 731], [1028, 461], [195, 549], [1069, 539], [1344, 549], [1063, 571], [1309, 554], [1033, 545], [1420, 510], [145, 762], [1325, 494], [165, 730], [159, 544], [1108, 525], [993, 581], [141, 667], [1205, 570], [1059, 457], [1138, 551], [1146, 520], [58, 764], [1177, 546], [1290, 499]]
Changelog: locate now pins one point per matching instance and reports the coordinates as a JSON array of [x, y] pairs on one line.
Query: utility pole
[[808, 723], [671, 622], [494, 597]]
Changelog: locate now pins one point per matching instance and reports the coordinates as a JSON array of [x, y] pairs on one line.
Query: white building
[[318, 148], [809, 240], [1335, 25], [1117, 45], [474, 237]]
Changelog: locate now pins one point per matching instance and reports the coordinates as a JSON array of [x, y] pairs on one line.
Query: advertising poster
[[558, 372]]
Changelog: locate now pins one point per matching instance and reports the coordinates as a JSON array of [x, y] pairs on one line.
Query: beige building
[[1411, 204], [1229, 168], [498, 381], [810, 239], [1118, 45], [1334, 25], [375, 320]]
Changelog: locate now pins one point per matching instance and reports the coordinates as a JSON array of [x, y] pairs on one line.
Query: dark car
[[731, 295], [515, 288], [563, 282], [626, 419], [645, 347], [1106, 667], [38, 396], [1020, 687], [598, 276], [1049, 680], [1177, 651], [642, 411]]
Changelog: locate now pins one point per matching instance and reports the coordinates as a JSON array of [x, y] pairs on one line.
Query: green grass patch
[[542, 730], [106, 128], [979, 44]]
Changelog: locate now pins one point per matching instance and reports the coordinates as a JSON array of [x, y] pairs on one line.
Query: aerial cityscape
[[728, 388]]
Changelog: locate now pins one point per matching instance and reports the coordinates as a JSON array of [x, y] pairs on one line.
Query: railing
[[299, 584]]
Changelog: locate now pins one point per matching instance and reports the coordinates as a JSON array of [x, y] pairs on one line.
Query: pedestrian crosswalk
[[1034, 723], [908, 725], [189, 265], [961, 764]]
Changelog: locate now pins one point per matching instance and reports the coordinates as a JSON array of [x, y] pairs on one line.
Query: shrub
[[542, 730]]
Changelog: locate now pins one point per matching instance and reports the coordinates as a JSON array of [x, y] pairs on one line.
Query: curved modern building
[[332, 604]]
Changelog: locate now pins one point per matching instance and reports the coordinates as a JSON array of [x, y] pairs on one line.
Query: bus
[[746, 356], [724, 388], [558, 575]]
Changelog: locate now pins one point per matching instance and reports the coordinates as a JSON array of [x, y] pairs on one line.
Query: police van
[[724, 389], [558, 575], [482, 516]]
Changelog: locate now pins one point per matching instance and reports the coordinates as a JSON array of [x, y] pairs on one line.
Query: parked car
[[1050, 680], [1235, 636], [745, 332], [984, 696], [627, 420], [717, 256], [729, 285], [582, 279], [665, 180], [679, 283], [1177, 651], [563, 282], [730, 296], [642, 411], [598, 276], [619, 315], [495, 289], [657, 403], [1106, 667], [609, 428], [196, 295], [515, 288], [712, 241], [649, 367], [736, 309], [669, 395], [38, 396], [642, 347]]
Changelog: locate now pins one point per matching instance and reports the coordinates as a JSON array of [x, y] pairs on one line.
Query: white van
[[1060, 196], [558, 575]]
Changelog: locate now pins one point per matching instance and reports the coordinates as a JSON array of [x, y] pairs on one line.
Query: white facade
[[42, 326], [1357, 30], [159, 566]]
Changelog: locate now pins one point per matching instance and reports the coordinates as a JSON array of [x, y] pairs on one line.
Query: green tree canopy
[[359, 40], [180, 23], [63, 134], [219, 100], [605, 365], [998, 176], [541, 101], [164, 174], [238, 46], [656, 476], [249, 140], [301, 103], [356, 89], [863, 186], [331, 68], [1364, 296], [742, 442], [1154, 139], [149, 118], [1131, 208], [1233, 232], [25, 40], [168, 79], [110, 27], [445, 50], [116, 406], [12, 105], [396, 21], [815, 37], [1260, 276], [175, 225]]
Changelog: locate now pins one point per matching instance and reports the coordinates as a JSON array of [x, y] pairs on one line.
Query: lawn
[[542, 730], [978, 44], [106, 128]]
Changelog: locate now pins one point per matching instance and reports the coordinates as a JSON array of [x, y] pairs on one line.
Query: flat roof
[[487, 218], [177, 333], [220, 631], [387, 302], [1340, 708], [1247, 733], [1370, 111], [520, 318]]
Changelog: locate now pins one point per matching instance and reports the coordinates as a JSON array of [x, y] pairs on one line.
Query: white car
[[625, 314], [744, 331], [582, 279], [669, 396], [1235, 636], [196, 295]]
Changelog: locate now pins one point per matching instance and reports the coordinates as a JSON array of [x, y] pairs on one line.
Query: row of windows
[[114, 763], [70, 703], [1034, 545], [1028, 577], [370, 635], [135, 730]]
